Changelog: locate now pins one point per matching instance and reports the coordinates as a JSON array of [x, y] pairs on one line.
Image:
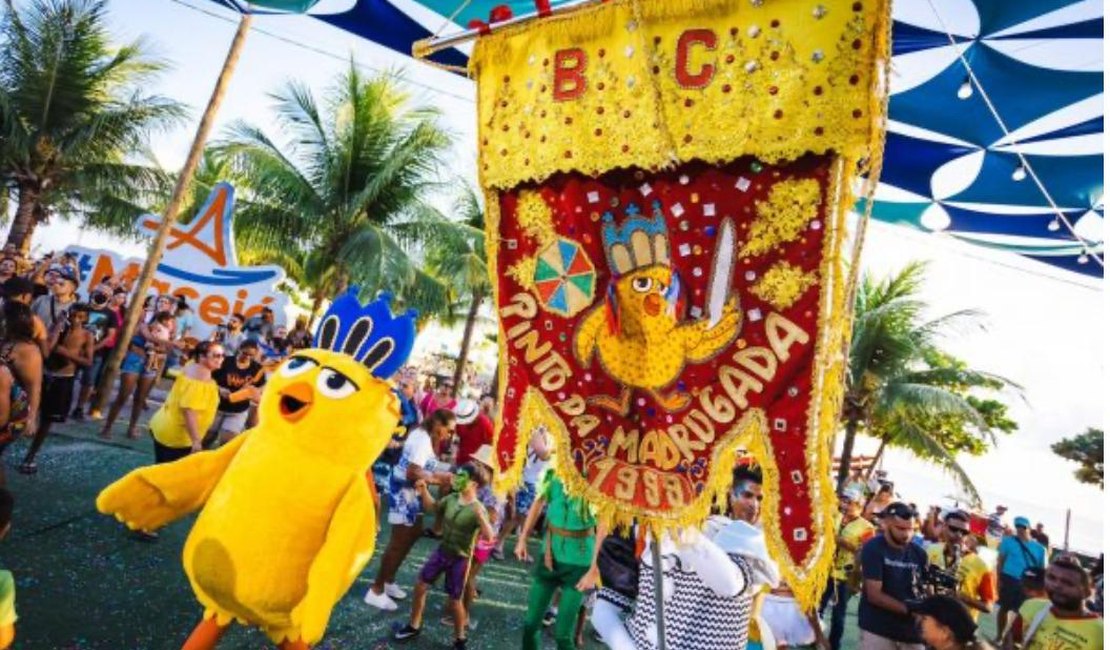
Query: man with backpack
[[1020, 559]]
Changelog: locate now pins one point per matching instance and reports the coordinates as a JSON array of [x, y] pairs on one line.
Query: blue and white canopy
[[950, 166]]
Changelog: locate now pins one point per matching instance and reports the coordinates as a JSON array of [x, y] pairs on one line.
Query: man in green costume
[[568, 548]]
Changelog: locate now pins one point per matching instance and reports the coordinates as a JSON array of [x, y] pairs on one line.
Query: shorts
[[57, 397], [1010, 593], [230, 422], [134, 364], [525, 496], [164, 454], [90, 375], [787, 622], [454, 566]]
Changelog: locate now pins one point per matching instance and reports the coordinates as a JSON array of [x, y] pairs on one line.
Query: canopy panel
[[949, 166]]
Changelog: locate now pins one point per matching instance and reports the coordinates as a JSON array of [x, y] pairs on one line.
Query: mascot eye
[[641, 285], [297, 366], [334, 384]]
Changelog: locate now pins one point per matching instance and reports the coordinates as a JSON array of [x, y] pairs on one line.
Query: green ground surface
[[84, 583]]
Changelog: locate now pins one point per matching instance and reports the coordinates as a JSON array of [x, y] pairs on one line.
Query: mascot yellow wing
[[345, 552], [151, 497]]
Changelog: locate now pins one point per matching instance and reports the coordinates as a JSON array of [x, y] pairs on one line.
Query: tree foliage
[[341, 197], [1085, 449], [905, 390], [75, 117]]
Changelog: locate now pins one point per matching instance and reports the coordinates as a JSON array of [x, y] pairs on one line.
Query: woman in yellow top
[[179, 426]]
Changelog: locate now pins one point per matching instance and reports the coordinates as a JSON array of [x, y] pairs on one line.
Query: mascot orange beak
[[653, 304], [296, 400]]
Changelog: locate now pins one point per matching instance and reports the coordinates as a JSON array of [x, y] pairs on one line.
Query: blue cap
[[1021, 522]]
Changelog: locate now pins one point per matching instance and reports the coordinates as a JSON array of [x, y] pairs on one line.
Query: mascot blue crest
[[369, 333]]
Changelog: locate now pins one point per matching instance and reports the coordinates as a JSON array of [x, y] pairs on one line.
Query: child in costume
[[287, 516], [568, 549], [464, 517]]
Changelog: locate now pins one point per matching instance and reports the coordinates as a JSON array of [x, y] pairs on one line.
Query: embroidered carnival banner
[[666, 185]]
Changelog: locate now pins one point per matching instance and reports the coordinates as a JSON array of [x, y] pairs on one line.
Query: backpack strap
[[1031, 561], [1034, 624]]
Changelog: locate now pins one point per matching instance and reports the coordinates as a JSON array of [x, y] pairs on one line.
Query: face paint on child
[[461, 482]]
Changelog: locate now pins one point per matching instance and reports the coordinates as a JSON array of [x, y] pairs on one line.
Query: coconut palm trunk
[[877, 459], [476, 299], [23, 224], [850, 429], [158, 246]]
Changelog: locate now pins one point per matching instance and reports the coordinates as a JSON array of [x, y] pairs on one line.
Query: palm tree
[[891, 389], [73, 113], [457, 256], [343, 195]]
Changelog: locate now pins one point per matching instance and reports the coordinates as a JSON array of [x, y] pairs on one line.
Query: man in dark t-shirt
[[239, 379], [893, 574]]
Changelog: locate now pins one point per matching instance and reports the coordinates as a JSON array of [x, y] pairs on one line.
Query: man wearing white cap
[[852, 530]]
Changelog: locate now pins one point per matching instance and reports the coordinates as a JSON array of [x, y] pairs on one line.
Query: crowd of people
[[922, 578], [56, 342]]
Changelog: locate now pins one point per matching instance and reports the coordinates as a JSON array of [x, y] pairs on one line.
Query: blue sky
[[1046, 328]]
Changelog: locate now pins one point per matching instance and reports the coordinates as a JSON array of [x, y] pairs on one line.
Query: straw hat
[[484, 455]]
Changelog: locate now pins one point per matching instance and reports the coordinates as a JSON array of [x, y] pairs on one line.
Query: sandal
[[29, 469]]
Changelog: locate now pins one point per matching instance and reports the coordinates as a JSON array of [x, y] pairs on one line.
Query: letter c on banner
[[570, 80], [686, 42]]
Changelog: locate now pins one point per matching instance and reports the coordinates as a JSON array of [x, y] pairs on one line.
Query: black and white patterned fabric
[[696, 617]]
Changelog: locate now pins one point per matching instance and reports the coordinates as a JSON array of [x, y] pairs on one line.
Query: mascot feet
[[205, 636], [293, 645]]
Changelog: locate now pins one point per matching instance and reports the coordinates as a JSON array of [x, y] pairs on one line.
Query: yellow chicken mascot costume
[[287, 516]]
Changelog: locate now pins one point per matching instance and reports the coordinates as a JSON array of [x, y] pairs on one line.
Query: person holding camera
[[853, 531], [968, 577], [1020, 560], [893, 574]]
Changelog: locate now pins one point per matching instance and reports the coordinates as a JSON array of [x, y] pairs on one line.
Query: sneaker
[[406, 633], [382, 601], [95, 415], [497, 554], [78, 415], [394, 592], [472, 624], [549, 616], [460, 644]]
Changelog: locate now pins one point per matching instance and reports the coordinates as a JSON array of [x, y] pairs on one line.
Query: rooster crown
[[639, 242], [369, 333]]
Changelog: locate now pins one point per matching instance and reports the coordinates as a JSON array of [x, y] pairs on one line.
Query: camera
[[940, 581]]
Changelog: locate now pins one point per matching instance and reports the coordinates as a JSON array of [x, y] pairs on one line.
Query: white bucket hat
[[466, 411]]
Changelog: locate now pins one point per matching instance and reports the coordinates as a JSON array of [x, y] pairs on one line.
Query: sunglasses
[[956, 530]]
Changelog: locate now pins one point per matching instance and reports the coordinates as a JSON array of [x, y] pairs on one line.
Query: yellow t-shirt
[[1057, 632], [855, 532], [973, 574], [168, 424]]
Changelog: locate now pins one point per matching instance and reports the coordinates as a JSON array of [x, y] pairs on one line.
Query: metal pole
[[657, 570], [1067, 531], [158, 246]]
